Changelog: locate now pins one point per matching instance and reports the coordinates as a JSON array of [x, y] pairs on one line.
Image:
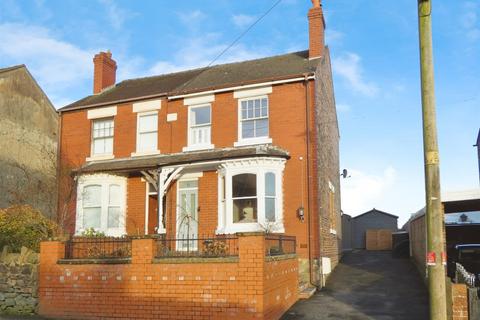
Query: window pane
[[248, 129], [270, 209], [91, 218], [270, 184], [244, 210], [188, 184], [244, 185], [257, 108], [244, 110], [147, 141], [114, 196], [113, 217], [148, 123], [92, 196], [261, 128], [200, 116], [108, 145], [98, 146]]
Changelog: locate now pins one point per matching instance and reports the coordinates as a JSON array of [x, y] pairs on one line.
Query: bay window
[[101, 204], [251, 195]]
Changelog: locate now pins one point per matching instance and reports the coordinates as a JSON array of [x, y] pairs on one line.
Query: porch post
[[160, 228]]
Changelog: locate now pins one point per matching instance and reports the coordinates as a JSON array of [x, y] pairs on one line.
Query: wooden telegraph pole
[[434, 217]]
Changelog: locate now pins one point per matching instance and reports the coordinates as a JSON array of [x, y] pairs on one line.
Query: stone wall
[[18, 282]]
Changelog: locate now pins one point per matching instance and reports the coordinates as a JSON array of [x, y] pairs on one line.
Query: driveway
[[367, 285]]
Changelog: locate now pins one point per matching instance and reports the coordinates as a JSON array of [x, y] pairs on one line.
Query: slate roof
[[12, 68], [378, 211], [151, 162], [220, 76]]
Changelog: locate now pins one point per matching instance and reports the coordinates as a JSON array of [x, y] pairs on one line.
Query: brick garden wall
[[243, 287]]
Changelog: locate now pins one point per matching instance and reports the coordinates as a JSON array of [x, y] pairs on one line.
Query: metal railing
[[98, 248], [463, 276], [202, 247], [278, 244]]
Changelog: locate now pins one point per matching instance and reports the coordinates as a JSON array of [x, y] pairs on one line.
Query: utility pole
[[434, 217]]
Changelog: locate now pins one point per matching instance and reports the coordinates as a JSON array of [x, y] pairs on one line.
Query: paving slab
[[368, 285]]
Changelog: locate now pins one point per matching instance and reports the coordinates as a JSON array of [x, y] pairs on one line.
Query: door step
[[306, 293]]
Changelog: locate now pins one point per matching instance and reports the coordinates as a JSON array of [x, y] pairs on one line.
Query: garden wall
[[18, 282], [250, 286]]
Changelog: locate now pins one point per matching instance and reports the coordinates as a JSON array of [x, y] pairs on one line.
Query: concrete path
[[367, 285]]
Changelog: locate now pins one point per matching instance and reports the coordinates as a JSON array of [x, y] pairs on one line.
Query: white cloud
[[333, 36], [57, 65], [191, 19], [469, 20], [364, 191], [243, 20], [200, 51], [341, 107], [348, 66], [116, 16]]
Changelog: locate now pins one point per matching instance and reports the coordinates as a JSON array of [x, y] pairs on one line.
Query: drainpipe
[[309, 219]]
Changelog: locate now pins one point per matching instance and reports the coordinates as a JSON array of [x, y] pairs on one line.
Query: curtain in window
[[92, 206]]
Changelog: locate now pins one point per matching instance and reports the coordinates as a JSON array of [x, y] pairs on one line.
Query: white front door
[[187, 215]]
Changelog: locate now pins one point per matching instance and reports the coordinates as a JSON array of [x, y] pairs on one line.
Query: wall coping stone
[[182, 260], [95, 261], [281, 257]]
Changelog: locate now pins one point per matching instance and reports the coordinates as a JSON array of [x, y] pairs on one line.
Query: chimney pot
[[104, 71]]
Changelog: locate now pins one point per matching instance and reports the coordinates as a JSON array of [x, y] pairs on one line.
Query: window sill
[[198, 147], [100, 157], [254, 141], [145, 153]]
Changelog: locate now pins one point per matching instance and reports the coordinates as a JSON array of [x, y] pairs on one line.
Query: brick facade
[[249, 287]]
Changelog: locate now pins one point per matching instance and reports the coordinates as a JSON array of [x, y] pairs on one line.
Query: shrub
[[92, 233], [27, 227]]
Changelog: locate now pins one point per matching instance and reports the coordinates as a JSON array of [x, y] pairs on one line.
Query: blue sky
[[374, 47]]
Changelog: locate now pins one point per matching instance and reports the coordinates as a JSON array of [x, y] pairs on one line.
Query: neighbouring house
[[371, 220], [347, 232], [198, 158], [28, 142]]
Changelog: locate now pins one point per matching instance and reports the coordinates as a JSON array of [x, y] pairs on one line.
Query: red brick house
[[234, 148]]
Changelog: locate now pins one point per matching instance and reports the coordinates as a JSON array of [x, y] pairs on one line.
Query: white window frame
[[259, 167], [104, 181], [256, 140], [100, 156], [204, 146], [145, 152]]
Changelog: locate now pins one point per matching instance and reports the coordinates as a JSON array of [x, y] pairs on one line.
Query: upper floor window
[[147, 132], [254, 118], [102, 137], [199, 129]]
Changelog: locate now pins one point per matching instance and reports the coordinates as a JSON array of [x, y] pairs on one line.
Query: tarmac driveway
[[367, 285]]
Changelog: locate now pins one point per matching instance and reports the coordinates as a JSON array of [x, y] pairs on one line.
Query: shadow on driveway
[[367, 285]]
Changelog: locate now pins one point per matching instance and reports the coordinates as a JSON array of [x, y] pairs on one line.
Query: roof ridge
[[18, 66], [212, 66]]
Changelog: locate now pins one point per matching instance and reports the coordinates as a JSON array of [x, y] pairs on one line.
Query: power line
[[233, 42]]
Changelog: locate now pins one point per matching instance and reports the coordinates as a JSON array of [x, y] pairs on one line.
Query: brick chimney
[[104, 71], [316, 30]]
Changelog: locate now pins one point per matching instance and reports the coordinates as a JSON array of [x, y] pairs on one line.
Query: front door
[[187, 215]]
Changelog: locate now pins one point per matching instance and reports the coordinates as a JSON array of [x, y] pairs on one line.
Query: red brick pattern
[[249, 288], [104, 73], [459, 302]]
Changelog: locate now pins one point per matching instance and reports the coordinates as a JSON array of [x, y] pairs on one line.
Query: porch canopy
[[161, 170]]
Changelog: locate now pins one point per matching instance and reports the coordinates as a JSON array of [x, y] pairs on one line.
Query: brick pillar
[[51, 252], [251, 251], [459, 302], [143, 251]]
